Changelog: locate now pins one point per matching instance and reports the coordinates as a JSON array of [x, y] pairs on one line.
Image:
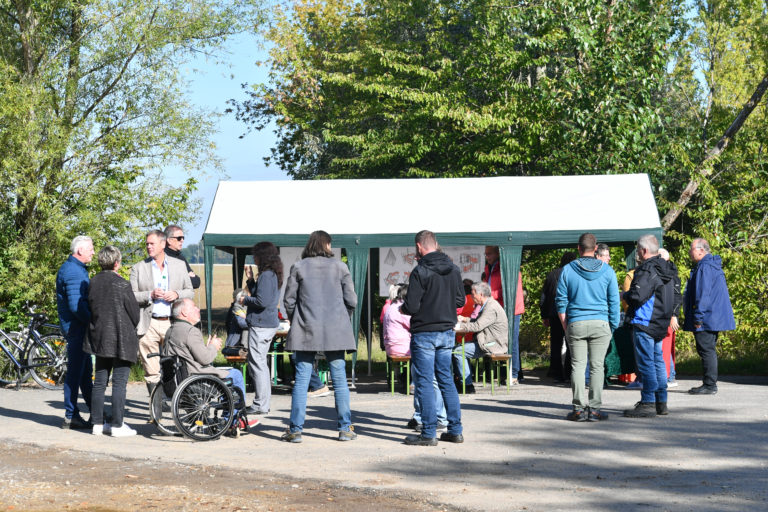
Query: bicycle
[[30, 353]]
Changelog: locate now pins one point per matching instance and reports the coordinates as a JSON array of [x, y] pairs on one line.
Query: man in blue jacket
[[653, 300], [708, 310], [74, 316], [588, 307]]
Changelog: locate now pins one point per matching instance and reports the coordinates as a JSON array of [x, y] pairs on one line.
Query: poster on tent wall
[[289, 256], [396, 263]]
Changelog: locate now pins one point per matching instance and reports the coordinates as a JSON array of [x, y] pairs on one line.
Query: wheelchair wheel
[[160, 407], [203, 407]]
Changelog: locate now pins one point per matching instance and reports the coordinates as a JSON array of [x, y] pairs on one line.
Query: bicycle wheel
[[53, 371], [8, 372], [203, 407], [160, 412]]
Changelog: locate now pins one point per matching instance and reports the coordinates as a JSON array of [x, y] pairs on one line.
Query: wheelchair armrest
[[153, 354]]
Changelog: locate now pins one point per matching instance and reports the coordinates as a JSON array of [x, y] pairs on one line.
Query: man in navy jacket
[[72, 303], [708, 310]]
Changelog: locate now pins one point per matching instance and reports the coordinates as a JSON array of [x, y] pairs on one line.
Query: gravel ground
[[709, 455], [38, 479]]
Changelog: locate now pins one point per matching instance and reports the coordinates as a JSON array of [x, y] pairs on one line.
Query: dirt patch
[[39, 479]]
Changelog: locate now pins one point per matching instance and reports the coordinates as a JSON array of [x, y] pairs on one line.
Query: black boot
[[642, 410]]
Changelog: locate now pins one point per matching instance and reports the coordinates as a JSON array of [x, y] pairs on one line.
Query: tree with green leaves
[[92, 109], [455, 88]]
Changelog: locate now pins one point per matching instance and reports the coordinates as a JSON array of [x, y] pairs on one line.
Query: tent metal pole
[[237, 270], [368, 295]]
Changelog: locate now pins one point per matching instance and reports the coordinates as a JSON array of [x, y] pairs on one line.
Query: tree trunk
[[704, 169]]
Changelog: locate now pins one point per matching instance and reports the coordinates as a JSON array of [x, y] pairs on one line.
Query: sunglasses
[[179, 238]]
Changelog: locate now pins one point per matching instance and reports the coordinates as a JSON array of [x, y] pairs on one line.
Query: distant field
[[222, 293]]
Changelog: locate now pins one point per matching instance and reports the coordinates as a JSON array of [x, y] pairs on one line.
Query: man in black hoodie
[[653, 300], [435, 290]]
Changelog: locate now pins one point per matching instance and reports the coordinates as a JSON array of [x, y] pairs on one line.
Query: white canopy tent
[[510, 212]]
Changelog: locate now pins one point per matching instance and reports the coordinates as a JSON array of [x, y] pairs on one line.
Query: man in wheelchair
[[185, 341]]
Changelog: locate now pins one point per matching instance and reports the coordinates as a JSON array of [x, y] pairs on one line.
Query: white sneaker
[[672, 384], [323, 391], [123, 431], [105, 429]]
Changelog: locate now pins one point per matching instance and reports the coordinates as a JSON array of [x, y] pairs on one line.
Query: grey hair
[[108, 257], [601, 248], [170, 230], [78, 241], [649, 243], [159, 234], [178, 306], [393, 289], [482, 288], [700, 243]]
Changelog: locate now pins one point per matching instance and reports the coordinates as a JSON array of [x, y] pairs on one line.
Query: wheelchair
[[200, 407]]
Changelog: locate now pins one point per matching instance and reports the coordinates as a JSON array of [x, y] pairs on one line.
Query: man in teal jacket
[[588, 306]]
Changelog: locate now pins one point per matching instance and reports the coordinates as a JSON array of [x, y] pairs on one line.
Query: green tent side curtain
[[510, 257], [357, 261]]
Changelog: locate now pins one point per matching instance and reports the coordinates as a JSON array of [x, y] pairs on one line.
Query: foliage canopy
[[93, 108], [454, 88]]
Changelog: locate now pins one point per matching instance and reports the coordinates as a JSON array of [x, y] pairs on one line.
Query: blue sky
[[211, 85]]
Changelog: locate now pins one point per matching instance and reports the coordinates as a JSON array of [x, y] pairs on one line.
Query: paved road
[[709, 454]]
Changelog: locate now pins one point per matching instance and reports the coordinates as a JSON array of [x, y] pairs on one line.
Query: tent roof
[[504, 210]]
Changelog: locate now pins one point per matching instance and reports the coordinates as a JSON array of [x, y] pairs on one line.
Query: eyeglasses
[[179, 238]]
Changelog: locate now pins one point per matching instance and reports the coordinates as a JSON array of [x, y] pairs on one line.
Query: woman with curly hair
[[261, 316]]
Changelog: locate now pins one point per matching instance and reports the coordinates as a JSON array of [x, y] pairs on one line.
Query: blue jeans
[[304, 363], [650, 364], [315, 382], [515, 346], [79, 377], [461, 364], [439, 405], [237, 381], [430, 359]]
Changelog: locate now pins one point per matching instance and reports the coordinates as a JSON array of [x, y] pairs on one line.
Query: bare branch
[[704, 169]]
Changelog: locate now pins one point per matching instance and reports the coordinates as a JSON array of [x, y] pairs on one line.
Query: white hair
[[393, 289], [482, 288], [78, 242]]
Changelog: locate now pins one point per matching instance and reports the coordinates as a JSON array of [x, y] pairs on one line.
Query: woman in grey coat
[[112, 339], [319, 300]]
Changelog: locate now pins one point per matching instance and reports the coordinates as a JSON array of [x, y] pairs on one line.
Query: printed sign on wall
[[396, 263]]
